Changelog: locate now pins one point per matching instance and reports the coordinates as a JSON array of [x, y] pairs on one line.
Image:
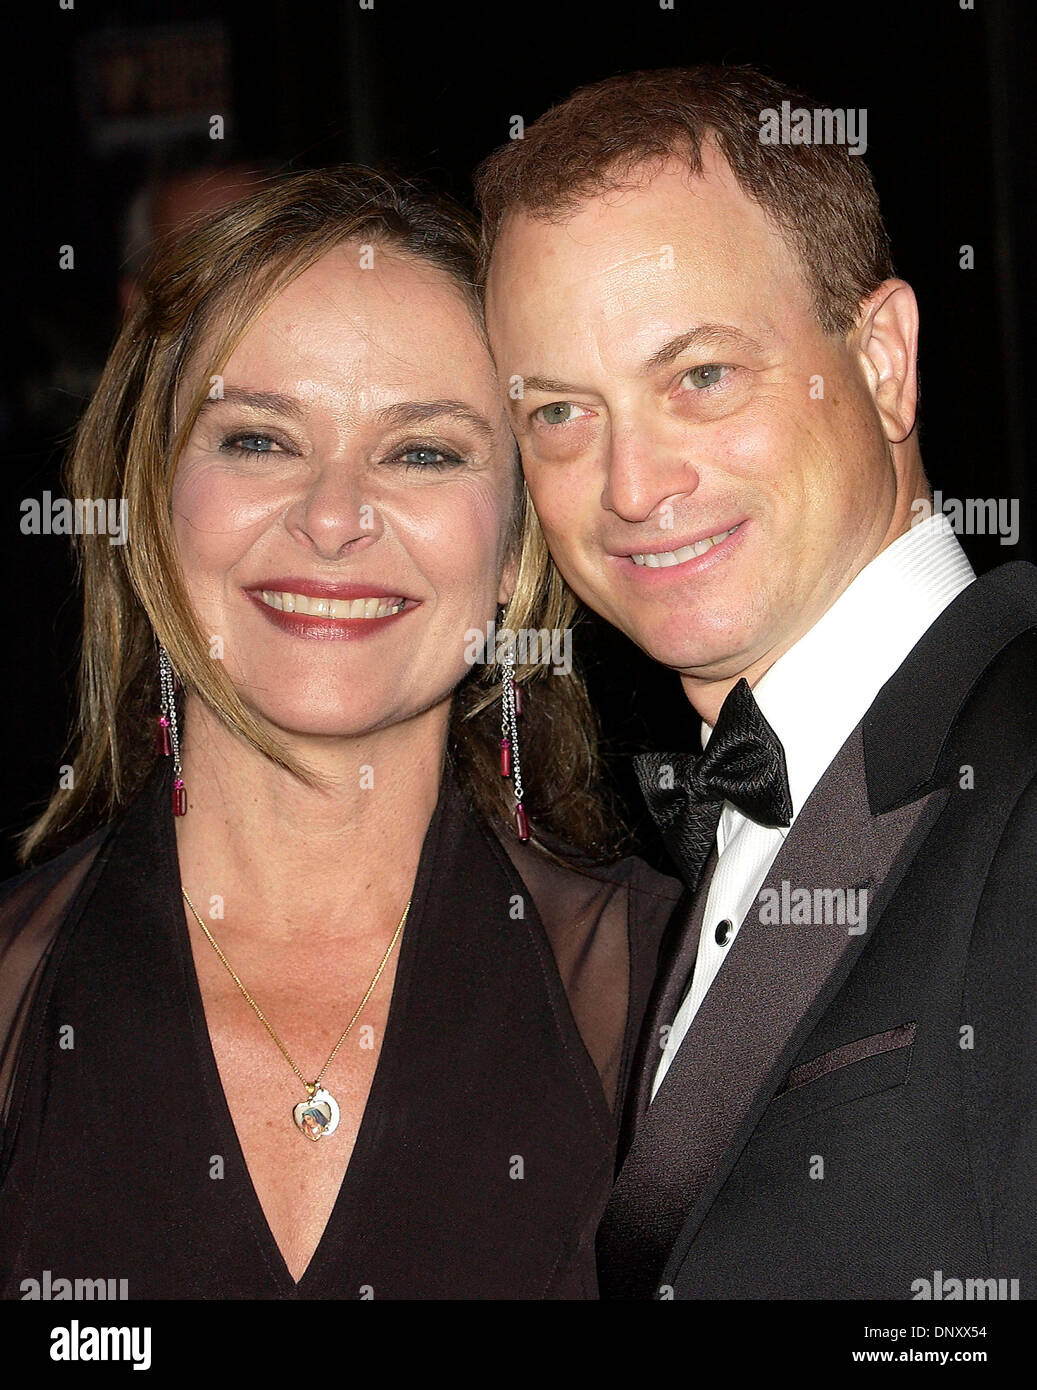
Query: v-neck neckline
[[383, 1081]]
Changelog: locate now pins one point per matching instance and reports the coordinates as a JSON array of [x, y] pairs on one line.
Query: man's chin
[[710, 657]]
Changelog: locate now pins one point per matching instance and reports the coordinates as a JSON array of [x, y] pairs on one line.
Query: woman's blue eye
[[425, 456], [250, 444]]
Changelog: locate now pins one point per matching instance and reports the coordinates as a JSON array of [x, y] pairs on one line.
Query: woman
[[323, 1006]]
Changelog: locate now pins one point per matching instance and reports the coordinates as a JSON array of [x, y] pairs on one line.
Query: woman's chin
[[315, 727], [302, 724]]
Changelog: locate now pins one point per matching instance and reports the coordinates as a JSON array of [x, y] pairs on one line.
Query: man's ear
[[887, 345]]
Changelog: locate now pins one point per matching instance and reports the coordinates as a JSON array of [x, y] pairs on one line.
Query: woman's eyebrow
[[269, 401], [400, 413], [418, 412]]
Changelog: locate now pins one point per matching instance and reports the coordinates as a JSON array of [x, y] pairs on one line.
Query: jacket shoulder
[[973, 673]]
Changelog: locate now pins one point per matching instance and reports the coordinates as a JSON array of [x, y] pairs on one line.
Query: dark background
[[105, 92]]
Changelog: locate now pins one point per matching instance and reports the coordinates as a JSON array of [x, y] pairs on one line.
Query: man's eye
[[557, 413], [249, 444], [701, 378]]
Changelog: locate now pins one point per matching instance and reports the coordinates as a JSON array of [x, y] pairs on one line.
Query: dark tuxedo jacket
[[853, 1114]]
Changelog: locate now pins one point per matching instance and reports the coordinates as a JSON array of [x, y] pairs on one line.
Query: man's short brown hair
[[820, 196]]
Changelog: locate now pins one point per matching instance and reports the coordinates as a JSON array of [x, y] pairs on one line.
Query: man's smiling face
[[677, 390]]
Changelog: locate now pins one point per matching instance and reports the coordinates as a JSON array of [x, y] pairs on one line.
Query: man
[[711, 374]]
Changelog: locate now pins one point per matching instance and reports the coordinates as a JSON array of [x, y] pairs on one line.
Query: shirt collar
[[817, 692]]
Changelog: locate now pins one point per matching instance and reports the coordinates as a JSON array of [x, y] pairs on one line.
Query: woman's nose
[[336, 512]]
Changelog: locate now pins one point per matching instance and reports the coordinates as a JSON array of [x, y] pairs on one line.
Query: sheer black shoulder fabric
[[486, 1150], [605, 924], [33, 907]]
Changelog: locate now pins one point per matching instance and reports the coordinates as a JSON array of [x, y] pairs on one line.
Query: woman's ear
[[509, 578], [516, 543]]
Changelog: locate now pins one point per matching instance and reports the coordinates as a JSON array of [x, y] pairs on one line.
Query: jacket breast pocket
[[864, 1067]]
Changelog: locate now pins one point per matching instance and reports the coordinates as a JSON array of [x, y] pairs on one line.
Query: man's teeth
[[686, 552], [332, 607]]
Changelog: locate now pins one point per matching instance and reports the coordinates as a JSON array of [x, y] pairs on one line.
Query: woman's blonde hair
[[208, 283]]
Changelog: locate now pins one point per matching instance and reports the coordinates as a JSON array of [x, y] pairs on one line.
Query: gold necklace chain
[[311, 1086]]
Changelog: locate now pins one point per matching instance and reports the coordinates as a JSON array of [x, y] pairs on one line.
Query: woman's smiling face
[[342, 513]]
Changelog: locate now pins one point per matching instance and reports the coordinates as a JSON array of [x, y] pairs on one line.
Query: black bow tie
[[743, 763]]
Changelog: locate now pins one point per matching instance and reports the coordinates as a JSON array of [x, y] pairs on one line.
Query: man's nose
[[645, 470]]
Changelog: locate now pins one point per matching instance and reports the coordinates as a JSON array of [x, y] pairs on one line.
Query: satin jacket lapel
[[678, 962], [769, 994]]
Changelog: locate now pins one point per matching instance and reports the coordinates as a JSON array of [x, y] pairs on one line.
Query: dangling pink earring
[[510, 766], [168, 733]]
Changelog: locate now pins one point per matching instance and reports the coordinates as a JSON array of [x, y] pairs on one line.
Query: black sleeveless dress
[[486, 1150]]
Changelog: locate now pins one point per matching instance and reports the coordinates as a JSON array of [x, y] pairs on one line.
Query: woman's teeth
[[686, 552], [332, 607]]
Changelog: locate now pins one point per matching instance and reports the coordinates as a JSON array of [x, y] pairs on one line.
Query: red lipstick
[[323, 627]]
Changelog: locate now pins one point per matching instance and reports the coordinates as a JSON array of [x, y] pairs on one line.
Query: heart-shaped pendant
[[318, 1115]]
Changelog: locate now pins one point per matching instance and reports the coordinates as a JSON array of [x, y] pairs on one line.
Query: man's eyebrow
[[418, 412], [547, 384], [707, 335], [269, 401]]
